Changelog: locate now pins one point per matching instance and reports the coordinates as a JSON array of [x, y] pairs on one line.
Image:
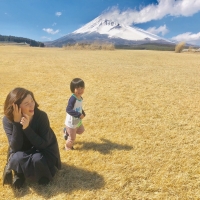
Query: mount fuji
[[108, 31]]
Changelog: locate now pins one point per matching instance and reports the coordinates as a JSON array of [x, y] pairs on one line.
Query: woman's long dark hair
[[16, 96]]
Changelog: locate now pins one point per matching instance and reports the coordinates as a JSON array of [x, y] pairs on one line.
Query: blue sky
[[46, 20]]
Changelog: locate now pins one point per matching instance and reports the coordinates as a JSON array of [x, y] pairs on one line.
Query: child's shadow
[[68, 179], [103, 148]]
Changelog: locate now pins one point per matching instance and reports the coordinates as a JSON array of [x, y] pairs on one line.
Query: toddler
[[75, 113]]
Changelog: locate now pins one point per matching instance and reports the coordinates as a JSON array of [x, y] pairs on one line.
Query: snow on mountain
[[104, 30], [115, 30]]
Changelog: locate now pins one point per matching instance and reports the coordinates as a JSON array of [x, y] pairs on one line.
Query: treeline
[[157, 47], [32, 43], [89, 46]]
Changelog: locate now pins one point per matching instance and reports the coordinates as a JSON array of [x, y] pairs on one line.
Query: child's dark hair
[[76, 83]]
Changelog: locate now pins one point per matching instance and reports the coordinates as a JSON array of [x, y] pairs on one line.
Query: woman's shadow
[[71, 178], [67, 180], [104, 148]]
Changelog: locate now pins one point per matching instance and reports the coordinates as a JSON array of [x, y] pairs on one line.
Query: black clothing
[[33, 151]]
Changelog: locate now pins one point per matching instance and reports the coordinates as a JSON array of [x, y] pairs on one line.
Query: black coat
[[37, 137]]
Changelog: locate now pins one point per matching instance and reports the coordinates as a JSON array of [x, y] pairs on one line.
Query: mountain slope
[[103, 30]]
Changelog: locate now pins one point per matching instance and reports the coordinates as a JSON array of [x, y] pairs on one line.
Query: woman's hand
[[25, 121], [17, 113]]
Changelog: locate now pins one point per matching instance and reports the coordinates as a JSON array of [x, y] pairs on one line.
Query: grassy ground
[[142, 125]]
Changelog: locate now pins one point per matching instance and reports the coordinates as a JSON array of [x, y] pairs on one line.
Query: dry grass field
[[142, 138]]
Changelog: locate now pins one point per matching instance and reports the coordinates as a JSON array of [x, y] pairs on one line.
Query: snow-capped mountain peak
[[99, 25], [115, 30], [105, 30]]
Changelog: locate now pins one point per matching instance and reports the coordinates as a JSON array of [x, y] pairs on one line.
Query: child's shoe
[[18, 180], [65, 133], [7, 176]]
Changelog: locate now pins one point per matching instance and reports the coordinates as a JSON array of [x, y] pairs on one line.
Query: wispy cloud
[[193, 38], [46, 38], [154, 11], [160, 30], [50, 31], [53, 24], [58, 14]]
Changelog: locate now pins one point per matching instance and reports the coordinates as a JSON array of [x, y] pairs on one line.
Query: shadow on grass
[[104, 148], [67, 180]]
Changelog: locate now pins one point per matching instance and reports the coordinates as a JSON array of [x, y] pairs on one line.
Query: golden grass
[[142, 126]]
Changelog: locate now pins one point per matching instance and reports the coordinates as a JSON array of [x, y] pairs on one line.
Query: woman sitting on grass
[[33, 147]]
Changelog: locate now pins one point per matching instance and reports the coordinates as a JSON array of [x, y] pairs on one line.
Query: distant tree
[[10, 38], [179, 47], [90, 46]]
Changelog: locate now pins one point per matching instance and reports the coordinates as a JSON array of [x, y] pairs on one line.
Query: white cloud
[[162, 29], [154, 11], [193, 38], [58, 14], [54, 24], [50, 31]]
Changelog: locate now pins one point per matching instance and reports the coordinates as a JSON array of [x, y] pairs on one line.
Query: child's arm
[[70, 107]]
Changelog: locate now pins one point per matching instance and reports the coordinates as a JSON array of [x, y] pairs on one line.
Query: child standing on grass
[[75, 113]]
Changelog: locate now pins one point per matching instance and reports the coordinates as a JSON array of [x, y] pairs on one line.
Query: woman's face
[[27, 106]]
